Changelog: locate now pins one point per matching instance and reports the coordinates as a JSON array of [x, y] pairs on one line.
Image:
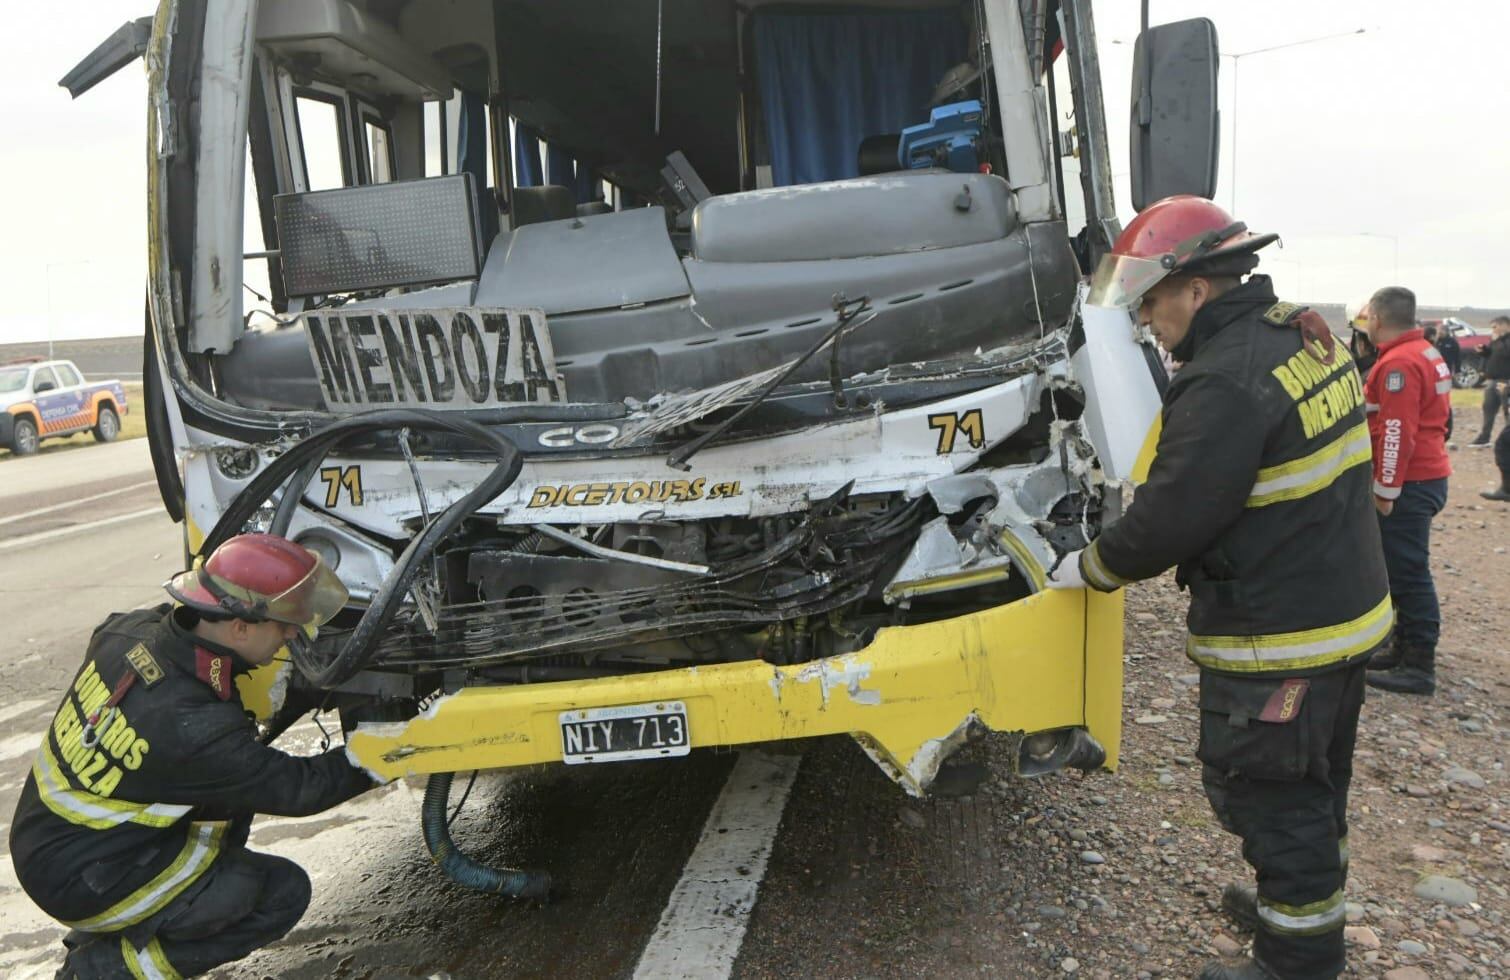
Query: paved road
[[664, 857]]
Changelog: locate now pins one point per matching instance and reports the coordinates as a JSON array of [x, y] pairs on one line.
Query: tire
[[1469, 375], [108, 426], [24, 439]]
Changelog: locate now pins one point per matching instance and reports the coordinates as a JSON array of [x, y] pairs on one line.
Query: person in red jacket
[[1407, 397]]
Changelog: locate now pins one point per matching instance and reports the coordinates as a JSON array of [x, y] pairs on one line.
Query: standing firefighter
[[1409, 417], [1259, 494], [132, 827]]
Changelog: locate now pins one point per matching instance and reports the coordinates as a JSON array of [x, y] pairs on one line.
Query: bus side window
[[320, 136], [379, 151]]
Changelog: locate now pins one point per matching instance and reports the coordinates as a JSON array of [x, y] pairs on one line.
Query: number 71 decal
[[335, 479], [951, 424]]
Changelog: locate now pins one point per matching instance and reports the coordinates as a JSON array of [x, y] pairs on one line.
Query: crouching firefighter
[[1260, 495], [132, 826]]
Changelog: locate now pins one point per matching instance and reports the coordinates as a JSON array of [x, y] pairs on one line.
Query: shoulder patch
[[215, 670], [1281, 313], [146, 667], [1394, 381]]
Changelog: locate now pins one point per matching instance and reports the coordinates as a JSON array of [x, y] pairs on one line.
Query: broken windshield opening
[[596, 203]]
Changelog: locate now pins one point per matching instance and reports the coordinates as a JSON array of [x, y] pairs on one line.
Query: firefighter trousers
[[1277, 758], [243, 902]]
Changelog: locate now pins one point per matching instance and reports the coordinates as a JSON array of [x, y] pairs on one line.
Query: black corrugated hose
[[355, 653], [462, 869], [299, 463]]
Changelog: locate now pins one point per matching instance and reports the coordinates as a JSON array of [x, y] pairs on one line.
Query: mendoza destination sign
[[452, 358]]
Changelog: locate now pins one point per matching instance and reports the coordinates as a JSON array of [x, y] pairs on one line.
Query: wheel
[[24, 438], [1469, 376], [108, 426]]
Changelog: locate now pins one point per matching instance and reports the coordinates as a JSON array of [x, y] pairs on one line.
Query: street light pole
[[1237, 57]]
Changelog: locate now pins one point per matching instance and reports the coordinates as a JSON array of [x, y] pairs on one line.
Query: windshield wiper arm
[[848, 310]]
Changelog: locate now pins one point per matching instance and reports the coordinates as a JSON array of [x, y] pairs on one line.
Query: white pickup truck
[[45, 399]]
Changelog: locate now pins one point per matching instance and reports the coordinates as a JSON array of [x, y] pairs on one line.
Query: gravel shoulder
[[1113, 876]]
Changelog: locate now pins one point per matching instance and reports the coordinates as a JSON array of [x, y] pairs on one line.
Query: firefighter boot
[[1243, 969], [1240, 902], [1415, 674], [1387, 657], [1501, 492]]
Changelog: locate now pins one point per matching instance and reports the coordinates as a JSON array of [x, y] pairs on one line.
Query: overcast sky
[[1349, 148]]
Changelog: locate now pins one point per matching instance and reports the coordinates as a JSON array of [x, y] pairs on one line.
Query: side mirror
[[1174, 115], [42, 386]]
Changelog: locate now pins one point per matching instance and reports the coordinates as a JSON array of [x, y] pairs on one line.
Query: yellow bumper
[[1053, 660]]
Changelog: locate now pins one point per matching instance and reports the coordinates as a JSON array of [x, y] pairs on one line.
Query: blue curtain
[[559, 167], [588, 187], [526, 158], [827, 81]]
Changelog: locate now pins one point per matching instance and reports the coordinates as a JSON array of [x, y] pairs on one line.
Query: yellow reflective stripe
[[1343, 851], [1313, 472], [86, 809], [129, 957], [1095, 572], [1303, 920], [161, 969], [195, 858], [1301, 650]]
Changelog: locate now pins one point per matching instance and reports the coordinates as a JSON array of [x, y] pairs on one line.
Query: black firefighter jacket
[[1259, 493], [104, 837]]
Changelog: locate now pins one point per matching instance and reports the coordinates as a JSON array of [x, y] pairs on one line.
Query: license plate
[[630, 731]]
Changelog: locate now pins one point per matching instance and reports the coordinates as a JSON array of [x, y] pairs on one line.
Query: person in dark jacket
[[1259, 495], [132, 826], [1447, 345], [1497, 373]]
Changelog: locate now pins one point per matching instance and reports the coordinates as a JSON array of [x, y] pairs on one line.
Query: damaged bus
[[657, 374]]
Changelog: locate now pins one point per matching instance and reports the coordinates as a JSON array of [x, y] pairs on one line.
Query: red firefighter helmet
[[260, 577], [1179, 233]]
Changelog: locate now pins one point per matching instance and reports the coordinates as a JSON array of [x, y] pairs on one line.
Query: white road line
[[705, 919], [22, 542], [74, 503]]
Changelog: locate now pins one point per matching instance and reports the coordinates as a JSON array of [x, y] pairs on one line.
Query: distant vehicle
[[46, 399]]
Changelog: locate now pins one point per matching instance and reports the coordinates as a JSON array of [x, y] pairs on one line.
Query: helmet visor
[[1121, 280]]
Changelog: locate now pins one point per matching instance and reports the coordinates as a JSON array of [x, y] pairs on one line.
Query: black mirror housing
[[1174, 131]]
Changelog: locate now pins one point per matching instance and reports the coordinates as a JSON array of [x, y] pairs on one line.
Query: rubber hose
[[462, 869], [357, 649]]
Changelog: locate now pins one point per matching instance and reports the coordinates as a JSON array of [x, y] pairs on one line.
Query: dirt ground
[[1121, 876]]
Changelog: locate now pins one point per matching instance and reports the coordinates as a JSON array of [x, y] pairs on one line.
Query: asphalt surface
[[861, 882]]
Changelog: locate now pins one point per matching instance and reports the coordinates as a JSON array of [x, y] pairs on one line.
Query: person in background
[[1408, 397], [1441, 338], [1497, 372], [1452, 352], [1363, 350], [1501, 460]]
